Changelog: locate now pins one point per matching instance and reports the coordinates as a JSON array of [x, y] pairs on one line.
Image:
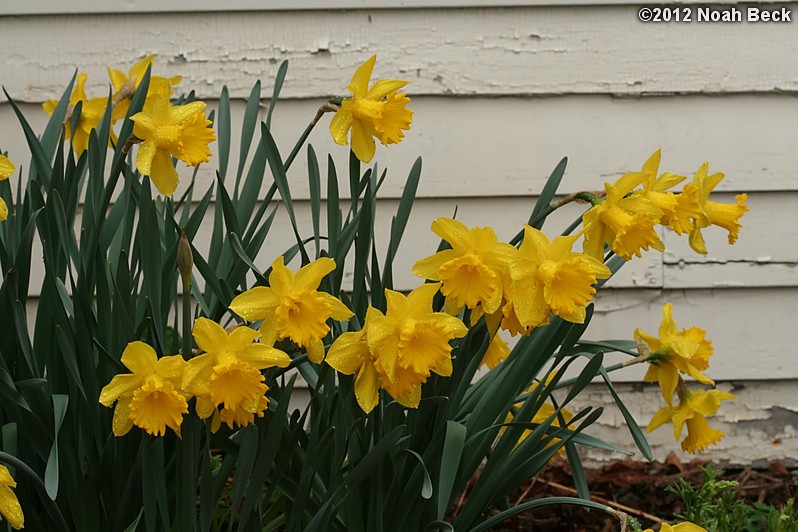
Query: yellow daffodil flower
[[497, 352], [168, 131], [125, 86], [350, 355], [92, 111], [724, 215], [151, 397], [6, 169], [687, 351], [474, 271], [228, 373], [625, 223], [693, 410], [678, 210], [377, 112], [681, 527], [549, 278], [292, 307], [9, 504], [411, 342]]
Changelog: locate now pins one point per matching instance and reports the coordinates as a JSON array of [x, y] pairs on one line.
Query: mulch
[[638, 489]]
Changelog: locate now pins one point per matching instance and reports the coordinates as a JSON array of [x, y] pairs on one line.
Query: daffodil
[[376, 112], [725, 215], [91, 113], [227, 374], [548, 278], [626, 223], [497, 352], [474, 271], [151, 397], [292, 307], [125, 86], [686, 351], [692, 411], [6, 169], [678, 209], [168, 131], [412, 342], [9, 504], [350, 355]]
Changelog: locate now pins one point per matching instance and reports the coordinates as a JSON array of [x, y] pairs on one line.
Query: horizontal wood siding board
[[506, 147], [51, 7], [481, 51]]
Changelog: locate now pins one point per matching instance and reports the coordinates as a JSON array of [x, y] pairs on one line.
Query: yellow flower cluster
[[225, 379], [517, 289], [670, 355], [626, 216], [167, 131]]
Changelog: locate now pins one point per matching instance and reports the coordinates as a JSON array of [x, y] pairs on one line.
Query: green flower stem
[[49, 505], [187, 317], [326, 108], [615, 367]]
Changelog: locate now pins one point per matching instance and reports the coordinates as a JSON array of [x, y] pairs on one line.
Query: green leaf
[[60, 403], [486, 525], [278, 85], [637, 434], [247, 131], [542, 206], [280, 179], [453, 444], [41, 161], [222, 126], [314, 184], [426, 486]]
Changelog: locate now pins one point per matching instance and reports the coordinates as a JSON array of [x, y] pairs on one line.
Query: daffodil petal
[[209, 335], [384, 87], [361, 77], [367, 387], [254, 304], [363, 144], [309, 277], [340, 125], [139, 358], [119, 386], [163, 173], [348, 353]]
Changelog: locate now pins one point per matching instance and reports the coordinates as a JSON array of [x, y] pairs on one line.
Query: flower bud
[[185, 259]]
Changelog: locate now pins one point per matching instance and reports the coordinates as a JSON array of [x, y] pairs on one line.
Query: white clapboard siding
[[49, 7], [509, 146], [476, 51]]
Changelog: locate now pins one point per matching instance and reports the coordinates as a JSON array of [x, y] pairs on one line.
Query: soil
[[638, 489]]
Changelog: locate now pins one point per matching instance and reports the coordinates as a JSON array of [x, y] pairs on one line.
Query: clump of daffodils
[[670, 355]]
